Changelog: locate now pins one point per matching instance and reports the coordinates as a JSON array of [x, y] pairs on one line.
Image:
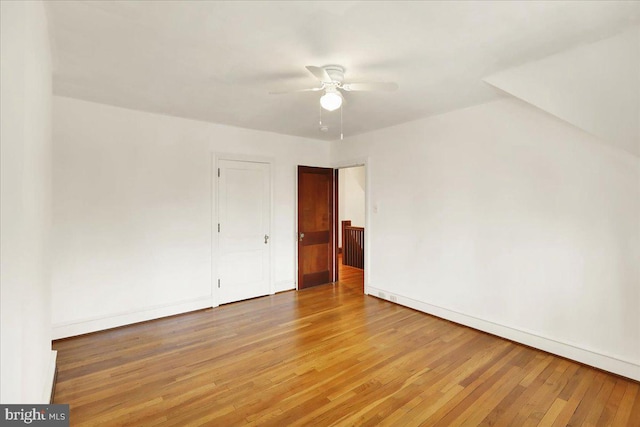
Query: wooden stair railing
[[352, 245]]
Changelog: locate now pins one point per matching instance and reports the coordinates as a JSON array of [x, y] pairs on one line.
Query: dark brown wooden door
[[316, 257]]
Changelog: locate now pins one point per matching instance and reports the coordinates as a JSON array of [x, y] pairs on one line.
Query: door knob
[[266, 239], [301, 236]]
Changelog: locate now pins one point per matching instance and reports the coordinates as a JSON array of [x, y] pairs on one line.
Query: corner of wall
[[50, 378], [570, 351]]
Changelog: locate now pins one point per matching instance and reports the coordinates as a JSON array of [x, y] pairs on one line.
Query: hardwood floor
[[350, 276], [328, 355]]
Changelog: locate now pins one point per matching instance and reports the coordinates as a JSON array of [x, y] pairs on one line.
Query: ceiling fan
[[331, 79]]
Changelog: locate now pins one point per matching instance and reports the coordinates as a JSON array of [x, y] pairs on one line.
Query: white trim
[[85, 326], [243, 158], [573, 351], [349, 163], [50, 377], [295, 225], [272, 225], [285, 285], [215, 297]]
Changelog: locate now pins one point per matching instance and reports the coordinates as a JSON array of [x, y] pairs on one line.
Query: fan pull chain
[[341, 134]]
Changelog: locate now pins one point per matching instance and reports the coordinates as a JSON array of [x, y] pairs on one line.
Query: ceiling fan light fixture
[[331, 101]]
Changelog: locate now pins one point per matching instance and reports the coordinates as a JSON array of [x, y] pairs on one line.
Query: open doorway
[[331, 219], [351, 221]]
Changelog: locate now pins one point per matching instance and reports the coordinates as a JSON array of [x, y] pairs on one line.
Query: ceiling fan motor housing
[[336, 72]]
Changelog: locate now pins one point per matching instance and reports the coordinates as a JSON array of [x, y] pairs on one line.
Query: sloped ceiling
[[217, 61], [595, 86]]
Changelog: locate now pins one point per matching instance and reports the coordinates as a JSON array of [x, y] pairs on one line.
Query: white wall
[[26, 359], [133, 211], [595, 86], [351, 200], [509, 220], [497, 216]]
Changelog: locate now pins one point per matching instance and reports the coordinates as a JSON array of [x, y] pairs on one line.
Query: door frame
[[350, 163], [215, 215]]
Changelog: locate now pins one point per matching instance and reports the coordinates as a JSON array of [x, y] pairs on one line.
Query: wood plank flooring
[[350, 277], [327, 356]]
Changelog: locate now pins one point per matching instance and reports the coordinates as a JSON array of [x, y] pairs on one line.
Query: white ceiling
[[217, 61]]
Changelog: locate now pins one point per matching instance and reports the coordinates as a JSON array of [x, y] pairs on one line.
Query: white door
[[244, 208]]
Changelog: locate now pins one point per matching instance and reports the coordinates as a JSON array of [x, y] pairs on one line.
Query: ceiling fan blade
[[315, 89], [381, 86], [319, 73]]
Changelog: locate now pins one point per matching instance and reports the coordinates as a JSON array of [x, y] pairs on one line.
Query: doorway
[[325, 196], [351, 222]]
